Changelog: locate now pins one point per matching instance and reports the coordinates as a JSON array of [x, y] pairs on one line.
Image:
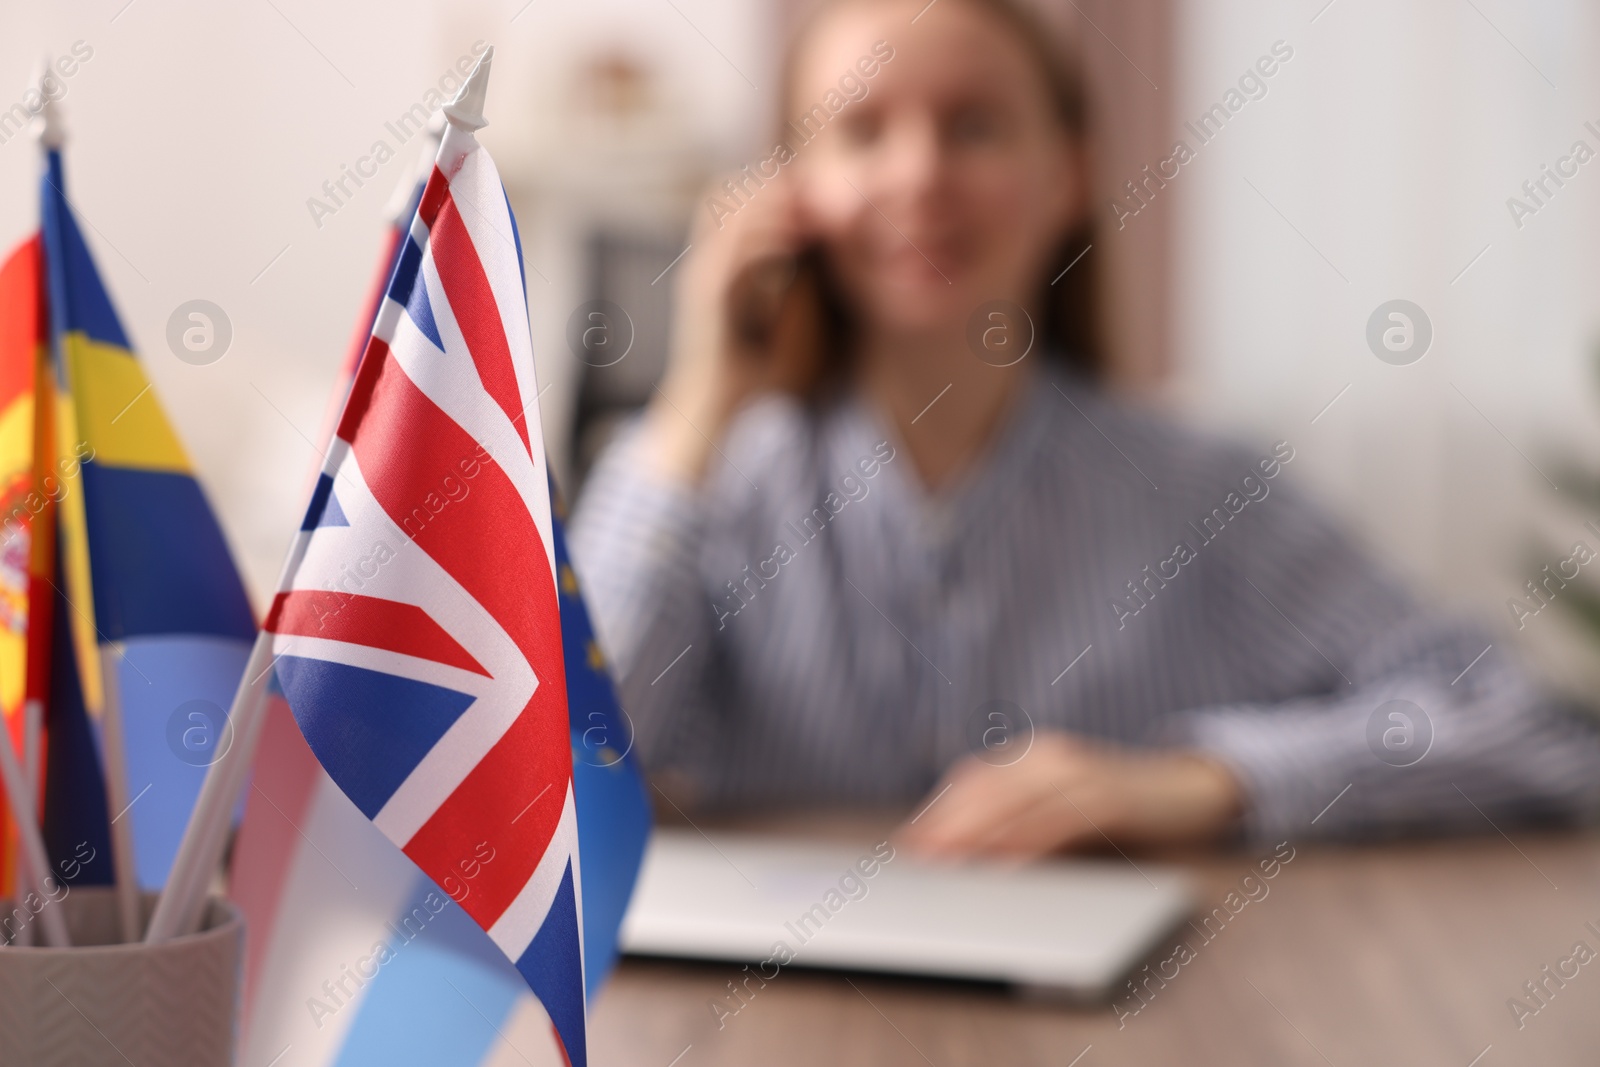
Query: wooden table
[[1396, 954]]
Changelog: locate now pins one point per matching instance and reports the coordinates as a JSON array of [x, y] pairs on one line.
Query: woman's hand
[[1067, 793], [739, 267]]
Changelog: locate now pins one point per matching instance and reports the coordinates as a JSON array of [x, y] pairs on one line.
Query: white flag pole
[[181, 901], [47, 126], [32, 774], [113, 751], [465, 112], [32, 750]]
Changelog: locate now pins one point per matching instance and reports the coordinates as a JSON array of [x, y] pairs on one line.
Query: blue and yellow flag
[[153, 615]]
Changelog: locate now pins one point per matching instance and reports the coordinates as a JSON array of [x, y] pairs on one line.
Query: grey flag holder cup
[[172, 1004]]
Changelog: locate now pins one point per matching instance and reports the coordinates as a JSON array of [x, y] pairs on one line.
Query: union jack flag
[[417, 632]]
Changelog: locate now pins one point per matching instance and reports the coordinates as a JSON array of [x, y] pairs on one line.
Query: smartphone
[[785, 315]]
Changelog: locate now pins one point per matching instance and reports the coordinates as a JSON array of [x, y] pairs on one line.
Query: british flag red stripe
[[418, 632], [366, 620], [468, 290]]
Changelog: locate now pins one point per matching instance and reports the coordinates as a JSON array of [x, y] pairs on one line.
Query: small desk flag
[[114, 570], [418, 630]]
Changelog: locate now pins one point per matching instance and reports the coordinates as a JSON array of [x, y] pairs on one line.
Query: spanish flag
[[152, 625], [27, 531]]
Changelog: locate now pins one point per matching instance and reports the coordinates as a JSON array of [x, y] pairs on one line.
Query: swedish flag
[[153, 623]]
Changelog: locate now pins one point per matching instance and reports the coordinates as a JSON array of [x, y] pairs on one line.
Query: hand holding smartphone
[[749, 318]]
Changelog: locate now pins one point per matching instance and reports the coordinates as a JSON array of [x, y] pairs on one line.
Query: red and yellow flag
[[27, 512]]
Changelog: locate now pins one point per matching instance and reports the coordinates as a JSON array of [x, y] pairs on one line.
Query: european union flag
[[607, 784]]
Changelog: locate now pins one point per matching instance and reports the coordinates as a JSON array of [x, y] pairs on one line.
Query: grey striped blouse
[[813, 626]]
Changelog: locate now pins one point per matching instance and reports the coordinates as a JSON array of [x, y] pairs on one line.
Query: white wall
[[1391, 142], [199, 130]]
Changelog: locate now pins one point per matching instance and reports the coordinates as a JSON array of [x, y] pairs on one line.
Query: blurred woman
[[868, 546]]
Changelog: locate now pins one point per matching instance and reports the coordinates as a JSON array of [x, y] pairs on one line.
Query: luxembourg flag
[[417, 633]]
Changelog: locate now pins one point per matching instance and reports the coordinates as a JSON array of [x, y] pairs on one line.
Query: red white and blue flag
[[417, 633]]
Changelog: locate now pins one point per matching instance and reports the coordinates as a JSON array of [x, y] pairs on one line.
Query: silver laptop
[[1068, 928]]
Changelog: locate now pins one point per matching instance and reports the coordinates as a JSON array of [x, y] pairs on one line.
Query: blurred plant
[[1577, 479]]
